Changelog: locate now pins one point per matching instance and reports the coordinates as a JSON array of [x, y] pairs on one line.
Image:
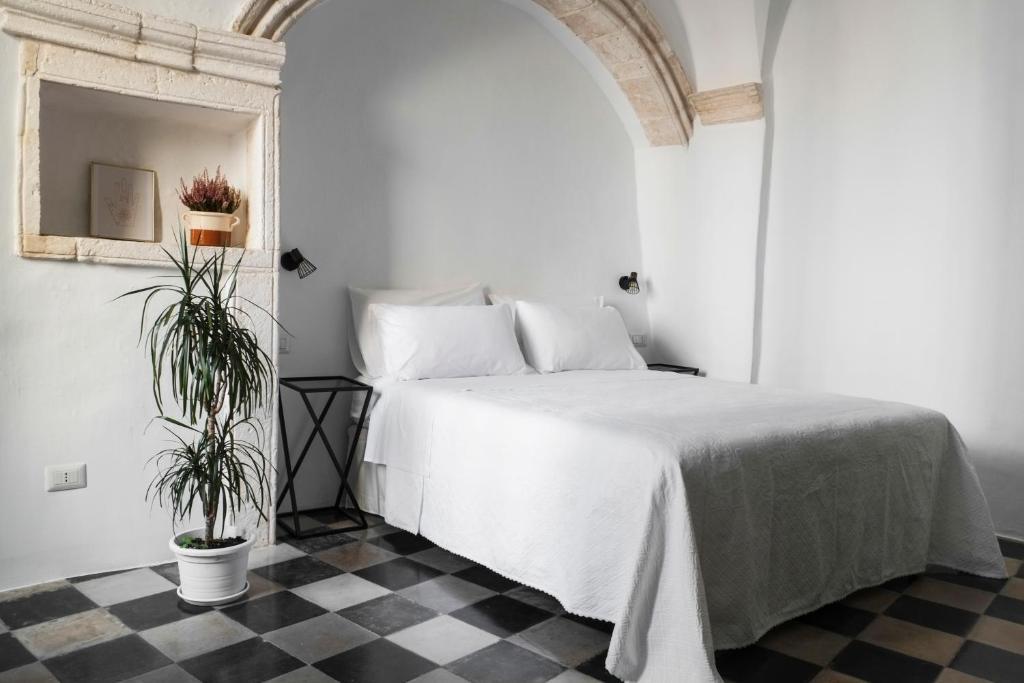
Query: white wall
[[441, 142], [896, 231], [699, 217], [74, 387], [716, 40]]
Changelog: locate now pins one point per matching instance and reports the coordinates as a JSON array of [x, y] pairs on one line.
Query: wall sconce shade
[[294, 260], [629, 284]]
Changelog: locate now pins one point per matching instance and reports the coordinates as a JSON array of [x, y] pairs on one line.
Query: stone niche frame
[[107, 49], [116, 50]]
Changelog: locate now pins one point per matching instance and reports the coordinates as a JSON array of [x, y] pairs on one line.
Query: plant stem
[[212, 499]]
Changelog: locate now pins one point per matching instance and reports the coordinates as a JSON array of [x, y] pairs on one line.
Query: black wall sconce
[[294, 260], [629, 284]]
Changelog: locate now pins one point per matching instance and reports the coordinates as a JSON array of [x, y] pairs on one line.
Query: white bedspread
[[693, 514]]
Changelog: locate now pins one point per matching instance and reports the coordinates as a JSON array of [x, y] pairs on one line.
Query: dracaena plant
[[204, 352], [210, 194]]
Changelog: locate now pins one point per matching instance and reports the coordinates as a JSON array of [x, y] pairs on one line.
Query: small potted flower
[[205, 355], [211, 203]]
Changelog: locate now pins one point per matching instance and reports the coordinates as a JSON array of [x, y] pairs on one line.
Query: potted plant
[[211, 203], [219, 377]]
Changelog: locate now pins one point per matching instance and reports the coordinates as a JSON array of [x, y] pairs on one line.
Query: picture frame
[[122, 203]]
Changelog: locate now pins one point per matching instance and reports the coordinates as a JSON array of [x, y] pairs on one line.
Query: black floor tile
[[317, 543], [594, 667], [989, 663], [1009, 609], [251, 661], [932, 615], [154, 610], [42, 607], [598, 624], [398, 574], [501, 615], [879, 665], [839, 618], [757, 665], [12, 653], [376, 662], [298, 572], [1014, 549], [273, 611], [117, 660], [504, 662], [402, 542], [900, 583], [482, 576], [971, 581], [325, 516], [388, 614], [169, 571]]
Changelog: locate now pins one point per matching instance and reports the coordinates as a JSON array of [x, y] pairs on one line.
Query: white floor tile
[[272, 554], [439, 676], [443, 639], [58, 637], [125, 586], [570, 676], [193, 636], [339, 592], [319, 638], [446, 593], [304, 675]]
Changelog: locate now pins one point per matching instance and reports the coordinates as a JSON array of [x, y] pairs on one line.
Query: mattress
[[357, 403], [693, 514]]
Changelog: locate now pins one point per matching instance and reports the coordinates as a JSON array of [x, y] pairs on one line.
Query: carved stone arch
[[622, 33]]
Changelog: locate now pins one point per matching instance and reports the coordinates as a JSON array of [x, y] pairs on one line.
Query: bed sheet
[[691, 513]]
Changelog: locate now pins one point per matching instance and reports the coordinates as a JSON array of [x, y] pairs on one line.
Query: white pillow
[[424, 342], [363, 345], [568, 301], [558, 338]]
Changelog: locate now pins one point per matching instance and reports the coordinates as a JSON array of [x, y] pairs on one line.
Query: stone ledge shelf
[[95, 250], [127, 34]]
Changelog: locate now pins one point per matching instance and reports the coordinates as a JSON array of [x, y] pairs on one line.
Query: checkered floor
[[385, 606]]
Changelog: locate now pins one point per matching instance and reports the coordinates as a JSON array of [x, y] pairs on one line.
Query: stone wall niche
[[110, 85]]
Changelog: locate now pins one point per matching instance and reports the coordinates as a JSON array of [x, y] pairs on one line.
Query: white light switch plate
[[639, 340], [64, 477], [284, 343]]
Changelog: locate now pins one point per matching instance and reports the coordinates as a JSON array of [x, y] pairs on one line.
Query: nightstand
[[306, 387], [678, 369]]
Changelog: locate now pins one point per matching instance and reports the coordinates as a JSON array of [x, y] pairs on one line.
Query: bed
[[693, 514]]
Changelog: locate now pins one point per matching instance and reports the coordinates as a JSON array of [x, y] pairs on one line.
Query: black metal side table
[[678, 369], [332, 385]]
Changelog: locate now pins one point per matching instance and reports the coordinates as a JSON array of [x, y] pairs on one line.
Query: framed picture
[[123, 205]]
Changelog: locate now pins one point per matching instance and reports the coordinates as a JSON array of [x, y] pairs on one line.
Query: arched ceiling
[[624, 36]]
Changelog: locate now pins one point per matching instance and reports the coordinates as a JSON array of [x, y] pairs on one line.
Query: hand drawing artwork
[[123, 209], [123, 203]]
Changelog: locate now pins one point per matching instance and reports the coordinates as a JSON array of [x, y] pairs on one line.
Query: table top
[[325, 383]]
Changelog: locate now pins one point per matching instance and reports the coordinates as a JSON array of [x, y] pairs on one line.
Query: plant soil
[[190, 543]]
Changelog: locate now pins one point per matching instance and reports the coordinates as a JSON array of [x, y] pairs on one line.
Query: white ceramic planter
[[212, 577]]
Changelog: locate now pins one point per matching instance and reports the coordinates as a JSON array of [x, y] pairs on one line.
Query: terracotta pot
[[209, 228]]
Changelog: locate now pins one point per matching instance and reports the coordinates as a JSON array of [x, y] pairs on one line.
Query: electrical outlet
[[639, 340], [284, 343], [64, 477]]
